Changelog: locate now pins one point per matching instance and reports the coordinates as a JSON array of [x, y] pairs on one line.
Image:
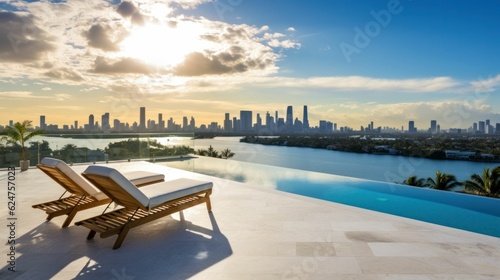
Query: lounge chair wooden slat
[[134, 214], [79, 199], [156, 213]]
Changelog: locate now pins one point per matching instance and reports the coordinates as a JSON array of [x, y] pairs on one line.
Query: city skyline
[[272, 123], [386, 61]]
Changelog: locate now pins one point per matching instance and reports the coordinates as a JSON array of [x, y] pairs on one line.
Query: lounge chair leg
[[91, 235], [121, 237], [209, 204], [70, 217]]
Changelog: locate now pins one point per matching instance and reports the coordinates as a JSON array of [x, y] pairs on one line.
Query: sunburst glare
[[161, 45]]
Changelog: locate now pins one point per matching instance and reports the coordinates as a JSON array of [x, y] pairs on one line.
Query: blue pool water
[[462, 211]]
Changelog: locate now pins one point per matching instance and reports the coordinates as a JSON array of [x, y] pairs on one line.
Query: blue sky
[[351, 61]]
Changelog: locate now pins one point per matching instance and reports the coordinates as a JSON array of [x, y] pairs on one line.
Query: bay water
[[386, 168]]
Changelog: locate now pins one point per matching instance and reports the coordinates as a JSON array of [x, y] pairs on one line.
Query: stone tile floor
[[251, 234]]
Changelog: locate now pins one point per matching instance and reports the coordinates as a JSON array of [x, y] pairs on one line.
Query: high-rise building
[[91, 121], [270, 124], [322, 126], [474, 127], [116, 124], [43, 125], [236, 124], [411, 127], [297, 125], [280, 124], [142, 118], [258, 124], [192, 123], [105, 121], [482, 127], [170, 124], [268, 120], [497, 130], [185, 124], [289, 118], [161, 122], [489, 127], [433, 126], [228, 124], [76, 125], [305, 120], [246, 121]]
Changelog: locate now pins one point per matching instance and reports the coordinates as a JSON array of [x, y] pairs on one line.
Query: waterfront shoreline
[[378, 146]]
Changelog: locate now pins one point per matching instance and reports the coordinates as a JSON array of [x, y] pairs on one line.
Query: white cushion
[[143, 177], [120, 180], [166, 191], [79, 180], [136, 177]]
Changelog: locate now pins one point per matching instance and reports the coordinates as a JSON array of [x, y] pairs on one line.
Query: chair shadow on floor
[[164, 249]]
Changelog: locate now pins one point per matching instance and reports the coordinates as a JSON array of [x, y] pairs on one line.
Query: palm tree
[[20, 133], [200, 152], [487, 184], [226, 153], [443, 181], [68, 152], [413, 181], [211, 152]]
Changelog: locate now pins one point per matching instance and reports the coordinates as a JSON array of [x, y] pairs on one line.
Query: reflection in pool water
[[462, 211]]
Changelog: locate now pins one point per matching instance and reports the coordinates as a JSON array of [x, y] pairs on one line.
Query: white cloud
[[486, 85], [46, 89], [89, 89], [291, 29], [86, 48], [360, 83], [15, 94], [449, 113], [62, 96]]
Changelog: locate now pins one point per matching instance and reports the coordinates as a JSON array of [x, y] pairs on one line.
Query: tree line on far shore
[[485, 184]]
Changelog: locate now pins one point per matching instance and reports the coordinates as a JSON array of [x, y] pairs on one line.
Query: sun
[[161, 45]]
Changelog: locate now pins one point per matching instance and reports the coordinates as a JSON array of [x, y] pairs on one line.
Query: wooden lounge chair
[[140, 205], [83, 194]]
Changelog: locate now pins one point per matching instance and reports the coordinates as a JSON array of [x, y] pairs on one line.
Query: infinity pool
[[462, 211]]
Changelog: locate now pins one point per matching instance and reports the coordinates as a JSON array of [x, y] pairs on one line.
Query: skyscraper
[[43, 125], [228, 125], [305, 121], [433, 126], [185, 124], [161, 123], [91, 121], [246, 121], [482, 127], [192, 123], [142, 118], [411, 127], [105, 121], [236, 124], [289, 118], [258, 124]]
